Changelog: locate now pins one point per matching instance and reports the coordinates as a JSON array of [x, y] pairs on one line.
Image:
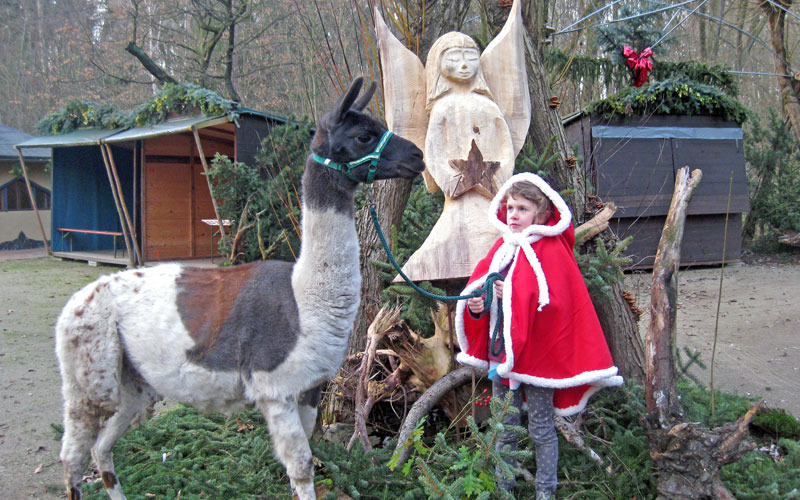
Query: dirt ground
[[758, 349]]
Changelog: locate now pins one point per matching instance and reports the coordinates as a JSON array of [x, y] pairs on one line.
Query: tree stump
[[686, 458]]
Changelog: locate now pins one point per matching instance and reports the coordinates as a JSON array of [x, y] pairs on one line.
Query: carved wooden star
[[475, 173]]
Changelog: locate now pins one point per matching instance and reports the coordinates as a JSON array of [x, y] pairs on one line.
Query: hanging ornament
[[639, 63]]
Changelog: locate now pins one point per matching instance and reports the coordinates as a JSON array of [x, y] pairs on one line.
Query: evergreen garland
[[181, 99], [172, 98], [679, 96], [79, 114]]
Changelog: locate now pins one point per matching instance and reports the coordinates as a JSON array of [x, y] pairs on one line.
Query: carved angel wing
[[403, 90], [503, 66]]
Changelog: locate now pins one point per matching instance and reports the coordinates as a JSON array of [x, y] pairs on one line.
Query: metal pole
[[33, 201]]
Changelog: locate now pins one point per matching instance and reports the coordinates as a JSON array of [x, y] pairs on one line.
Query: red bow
[[639, 63]]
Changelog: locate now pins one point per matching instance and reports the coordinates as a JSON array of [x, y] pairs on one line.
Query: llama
[[267, 334]]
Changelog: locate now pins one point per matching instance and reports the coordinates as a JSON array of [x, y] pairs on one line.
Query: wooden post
[[131, 227], [119, 209], [663, 407], [208, 179], [33, 201]]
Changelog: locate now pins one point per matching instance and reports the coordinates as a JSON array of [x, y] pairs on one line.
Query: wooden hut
[[17, 214], [632, 161], [139, 196]]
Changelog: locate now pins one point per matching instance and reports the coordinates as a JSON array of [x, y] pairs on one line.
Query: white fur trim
[[604, 378], [461, 305], [466, 359], [534, 232]]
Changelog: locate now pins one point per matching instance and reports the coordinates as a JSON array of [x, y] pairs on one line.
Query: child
[[550, 346]]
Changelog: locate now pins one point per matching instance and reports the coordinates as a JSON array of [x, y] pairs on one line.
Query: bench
[[67, 234], [214, 223]]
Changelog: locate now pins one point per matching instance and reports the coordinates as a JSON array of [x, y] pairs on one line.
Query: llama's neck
[[326, 276]]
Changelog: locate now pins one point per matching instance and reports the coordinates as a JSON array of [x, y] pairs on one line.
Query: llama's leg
[[81, 426], [136, 398], [307, 405], [290, 444]]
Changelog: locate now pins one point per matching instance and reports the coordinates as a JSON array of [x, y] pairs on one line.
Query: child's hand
[[475, 305], [498, 289]]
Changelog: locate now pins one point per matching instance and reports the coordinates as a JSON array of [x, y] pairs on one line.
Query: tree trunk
[[390, 200], [789, 85], [626, 347], [615, 316], [686, 458], [661, 393]]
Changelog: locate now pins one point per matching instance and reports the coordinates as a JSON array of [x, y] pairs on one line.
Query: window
[[14, 196]]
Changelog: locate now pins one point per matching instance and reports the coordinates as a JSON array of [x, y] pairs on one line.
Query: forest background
[[293, 57]]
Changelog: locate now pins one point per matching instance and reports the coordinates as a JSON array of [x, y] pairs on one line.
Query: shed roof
[[173, 126], [79, 137], [9, 136]]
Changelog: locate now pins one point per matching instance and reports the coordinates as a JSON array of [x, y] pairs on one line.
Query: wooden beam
[[33, 202], [208, 179], [131, 259], [131, 227], [596, 225]]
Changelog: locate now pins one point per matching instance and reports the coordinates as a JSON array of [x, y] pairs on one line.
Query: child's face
[[521, 213]]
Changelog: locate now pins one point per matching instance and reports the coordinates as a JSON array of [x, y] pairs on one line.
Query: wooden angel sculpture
[[469, 112]]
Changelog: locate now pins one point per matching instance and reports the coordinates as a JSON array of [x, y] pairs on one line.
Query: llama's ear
[[346, 102], [362, 101]]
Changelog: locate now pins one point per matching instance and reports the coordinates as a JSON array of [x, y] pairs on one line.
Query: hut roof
[[10, 136]]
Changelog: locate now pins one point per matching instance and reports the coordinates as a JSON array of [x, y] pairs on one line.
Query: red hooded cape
[[551, 331]]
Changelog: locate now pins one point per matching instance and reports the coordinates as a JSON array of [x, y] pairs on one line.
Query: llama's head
[[346, 134]]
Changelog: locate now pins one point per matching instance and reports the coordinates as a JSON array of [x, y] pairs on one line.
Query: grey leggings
[[541, 429]]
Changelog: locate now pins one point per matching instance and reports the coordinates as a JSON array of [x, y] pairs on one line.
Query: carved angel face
[[460, 64]]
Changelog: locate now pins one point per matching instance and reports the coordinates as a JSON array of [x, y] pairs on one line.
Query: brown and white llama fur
[[266, 334]]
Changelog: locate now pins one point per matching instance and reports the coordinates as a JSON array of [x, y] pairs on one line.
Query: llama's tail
[[89, 349]]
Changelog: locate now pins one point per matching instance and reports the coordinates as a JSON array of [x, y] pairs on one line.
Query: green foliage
[[602, 269], [696, 401], [758, 476], [693, 358], [270, 191], [714, 76], [677, 95], [775, 422], [184, 454], [362, 474], [637, 33], [530, 160], [172, 98], [582, 68], [180, 99], [612, 429], [773, 153], [79, 114], [466, 469]]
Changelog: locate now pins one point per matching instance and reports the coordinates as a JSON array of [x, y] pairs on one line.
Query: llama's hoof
[[303, 490]]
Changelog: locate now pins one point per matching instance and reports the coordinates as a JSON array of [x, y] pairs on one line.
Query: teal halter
[[372, 158]]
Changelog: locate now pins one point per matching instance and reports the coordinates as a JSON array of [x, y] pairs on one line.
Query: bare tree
[[787, 81]]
